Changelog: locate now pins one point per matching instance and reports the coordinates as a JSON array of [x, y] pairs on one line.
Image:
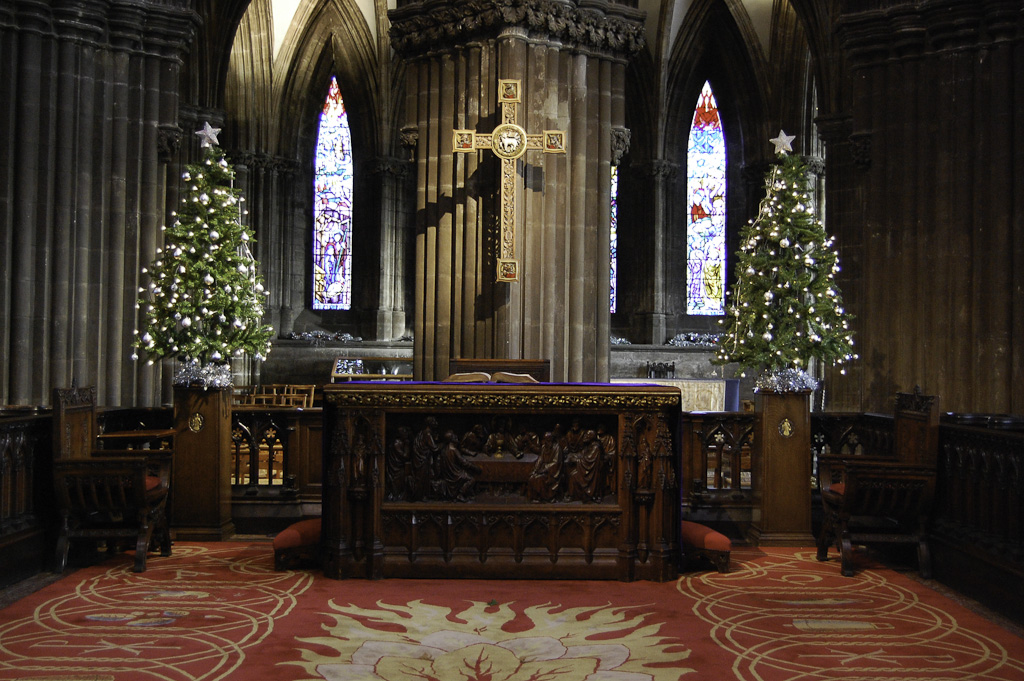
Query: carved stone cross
[[508, 141]]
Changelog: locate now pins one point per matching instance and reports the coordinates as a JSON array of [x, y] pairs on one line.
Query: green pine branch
[[785, 307], [205, 297]]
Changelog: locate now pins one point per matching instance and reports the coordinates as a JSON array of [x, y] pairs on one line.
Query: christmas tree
[[204, 302], [785, 307]]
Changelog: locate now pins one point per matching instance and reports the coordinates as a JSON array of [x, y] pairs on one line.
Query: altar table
[[507, 481]]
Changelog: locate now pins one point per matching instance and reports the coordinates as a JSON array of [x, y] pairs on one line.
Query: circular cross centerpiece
[[508, 141]]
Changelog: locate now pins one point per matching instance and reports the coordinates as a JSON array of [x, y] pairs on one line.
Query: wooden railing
[[979, 505], [718, 460], [26, 493], [977, 522], [276, 453], [850, 434], [20, 439], [976, 526]]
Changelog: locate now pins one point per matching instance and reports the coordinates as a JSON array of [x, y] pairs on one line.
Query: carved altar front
[[541, 481]]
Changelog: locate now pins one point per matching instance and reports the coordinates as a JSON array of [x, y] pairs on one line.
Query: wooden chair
[[108, 493], [883, 497], [278, 395]]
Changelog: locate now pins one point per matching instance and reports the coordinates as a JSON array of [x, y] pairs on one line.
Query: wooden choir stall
[[508, 481]]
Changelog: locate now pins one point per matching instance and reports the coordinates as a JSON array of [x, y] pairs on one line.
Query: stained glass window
[[332, 207], [614, 254], [705, 223]]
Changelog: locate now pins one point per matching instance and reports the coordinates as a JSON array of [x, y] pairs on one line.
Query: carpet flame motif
[[219, 612], [492, 642]]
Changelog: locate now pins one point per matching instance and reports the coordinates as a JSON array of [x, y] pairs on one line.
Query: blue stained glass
[[332, 207], [614, 251], [705, 224]]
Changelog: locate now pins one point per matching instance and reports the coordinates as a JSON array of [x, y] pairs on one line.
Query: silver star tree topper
[[783, 142], [208, 135]]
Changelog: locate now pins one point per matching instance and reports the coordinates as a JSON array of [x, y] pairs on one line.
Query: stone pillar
[[930, 201], [390, 323], [844, 175], [571, 64], [90, 83], [650, 319]]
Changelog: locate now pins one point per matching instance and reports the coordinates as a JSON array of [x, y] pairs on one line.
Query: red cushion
[[152, 482], [837, 488], [704, 537], [302, 533]]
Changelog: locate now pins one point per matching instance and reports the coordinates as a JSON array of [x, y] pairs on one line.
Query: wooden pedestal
[[201, 487], [785, 445]]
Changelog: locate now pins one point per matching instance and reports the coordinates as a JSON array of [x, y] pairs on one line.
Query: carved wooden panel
[[501, 481]]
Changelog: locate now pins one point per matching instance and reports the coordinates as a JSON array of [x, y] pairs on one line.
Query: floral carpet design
[[493, 642], [214, 612]]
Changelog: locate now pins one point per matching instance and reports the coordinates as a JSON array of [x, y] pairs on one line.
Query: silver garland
[[318, 338], [785, 381], [695, 340], [209, 376]]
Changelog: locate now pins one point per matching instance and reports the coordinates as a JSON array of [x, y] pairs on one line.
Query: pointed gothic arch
[[332, 206], [706, 191], [327, 38], [725, 57]]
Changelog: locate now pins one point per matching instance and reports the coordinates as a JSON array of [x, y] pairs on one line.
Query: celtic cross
[[508, 141]]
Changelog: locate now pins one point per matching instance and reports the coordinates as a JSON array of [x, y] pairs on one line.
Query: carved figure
[[586, 479], [545, 482], [644, 455], [425, 449], [608, 446], [359, 449], [527, 442], [509, 141], [474, 442], [398, 465], [501, 441], [455, 475], [573, 440]]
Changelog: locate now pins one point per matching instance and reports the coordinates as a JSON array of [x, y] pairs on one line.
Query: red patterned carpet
[[219, 611]]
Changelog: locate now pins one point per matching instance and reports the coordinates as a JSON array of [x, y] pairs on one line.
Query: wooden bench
[[883, 497], [108, 494]]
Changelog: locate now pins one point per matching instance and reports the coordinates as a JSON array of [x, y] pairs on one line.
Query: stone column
[[393, 174], [934, 205], [571, 66], [650, 319], [90, 84], [844, 175]]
